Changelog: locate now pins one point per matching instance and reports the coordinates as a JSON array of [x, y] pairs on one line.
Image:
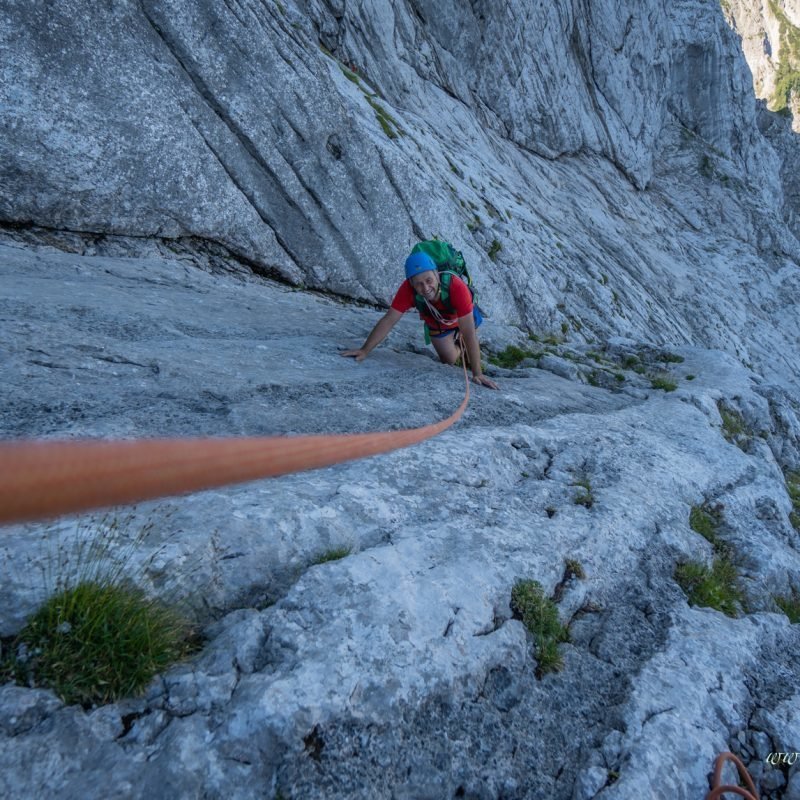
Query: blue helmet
[[419, 262]]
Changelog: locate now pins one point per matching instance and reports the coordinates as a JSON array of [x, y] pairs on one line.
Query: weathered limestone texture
[[770, 34], [540, 133], [399, 670], [202, 203]]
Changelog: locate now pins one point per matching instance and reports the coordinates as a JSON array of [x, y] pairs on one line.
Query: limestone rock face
[[240, 134], [192, 197], [770, 31], [399, 669]]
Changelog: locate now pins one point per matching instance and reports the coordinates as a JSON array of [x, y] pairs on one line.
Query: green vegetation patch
[[512, 357], [335, 554], [97, 642], [663, 381], [390, 125], [495, 249], [793, 488], [734, 428], [540, 616], [630, 361], [790, 605], [787, 77], [706, 522], [711, 587], [350, 75], [574, 569], [585, 496]]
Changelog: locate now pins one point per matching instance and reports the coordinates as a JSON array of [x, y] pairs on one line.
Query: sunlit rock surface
[[192, 197]]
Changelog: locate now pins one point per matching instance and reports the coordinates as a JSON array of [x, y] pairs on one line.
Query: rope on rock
[[718, 789], [44, 479]]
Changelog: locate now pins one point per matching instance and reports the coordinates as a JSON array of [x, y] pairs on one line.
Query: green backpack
[[449, 262]]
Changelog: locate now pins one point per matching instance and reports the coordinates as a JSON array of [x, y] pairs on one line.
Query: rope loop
[[719, 789]]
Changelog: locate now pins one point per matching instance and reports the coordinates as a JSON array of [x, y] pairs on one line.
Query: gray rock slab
[[342, 679]]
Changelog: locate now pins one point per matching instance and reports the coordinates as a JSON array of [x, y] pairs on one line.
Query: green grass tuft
[[332, 555], [540, 617], [790, 605], [711, 587], [97, 637], [574, 568], [350, 75], [734, 428], [511, 357], [584, 497], [495, 249], [97, 643], [664, 382], [706, 522], [629, 362]]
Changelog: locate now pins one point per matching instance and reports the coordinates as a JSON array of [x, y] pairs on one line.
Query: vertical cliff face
[[317, 140], [770, 35]]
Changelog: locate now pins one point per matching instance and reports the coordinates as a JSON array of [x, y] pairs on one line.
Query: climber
[[445, 321]]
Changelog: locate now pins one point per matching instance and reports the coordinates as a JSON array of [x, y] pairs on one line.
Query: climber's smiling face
[[426, 284]]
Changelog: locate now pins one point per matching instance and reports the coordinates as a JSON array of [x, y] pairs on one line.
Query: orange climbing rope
[[718, 789], [44, 479]]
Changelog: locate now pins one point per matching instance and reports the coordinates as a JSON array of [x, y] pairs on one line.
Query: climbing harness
[[44, 479]]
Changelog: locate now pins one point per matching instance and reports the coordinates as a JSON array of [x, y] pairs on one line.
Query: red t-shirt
[[460, 299]]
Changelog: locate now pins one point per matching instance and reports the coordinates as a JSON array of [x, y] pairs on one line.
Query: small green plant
[[97, 637], [564, 328], [711, 587], [386, 121], [620, 377], [548, 656], [350, 75], [690, 377], [574, 568], [511, 357], [540, 617], [335, 554], [671, 358], [706, 522], [495, 249], [793, 488], [734, 428], [630, 361], [593, 378], [553, 340], [454, 169], [585, 497], [97, 643], [790, 605], [663, 381]]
